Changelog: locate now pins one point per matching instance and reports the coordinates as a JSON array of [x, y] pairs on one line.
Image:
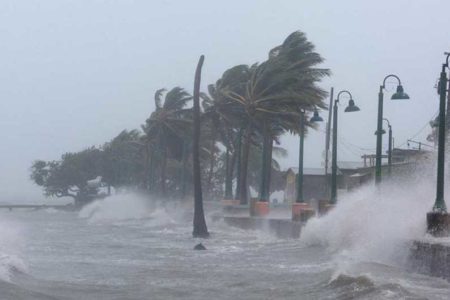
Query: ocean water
[[127, 247]]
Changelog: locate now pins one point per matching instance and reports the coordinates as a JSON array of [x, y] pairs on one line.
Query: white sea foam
[[159, 218], [373, 224], [11, 247], [117, 208]]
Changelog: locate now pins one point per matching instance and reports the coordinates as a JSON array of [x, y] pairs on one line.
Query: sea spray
[[11, 249], [117, 208], [123, 207], [374, 223]]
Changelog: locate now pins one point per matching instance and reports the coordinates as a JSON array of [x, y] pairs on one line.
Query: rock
[[199, 247]]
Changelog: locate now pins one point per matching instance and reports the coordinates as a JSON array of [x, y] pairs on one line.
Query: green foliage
[[69, 176], [261, 101], [122, 160]]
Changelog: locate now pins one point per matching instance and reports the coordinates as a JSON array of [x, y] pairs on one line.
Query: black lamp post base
[[438, 224]]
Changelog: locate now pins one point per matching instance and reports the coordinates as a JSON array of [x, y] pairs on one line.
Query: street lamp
[[300, 204], [350, 108], [398, 95], [314, 118], [438, 220]]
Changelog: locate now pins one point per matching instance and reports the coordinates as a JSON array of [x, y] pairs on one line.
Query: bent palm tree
[[276, 92], [167, 125]]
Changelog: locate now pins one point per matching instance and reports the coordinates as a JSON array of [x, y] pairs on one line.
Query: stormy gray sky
[[75, 73]]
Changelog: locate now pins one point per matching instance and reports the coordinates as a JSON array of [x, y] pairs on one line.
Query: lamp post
[[438, 220], [315, 118], [398, 95], [300, 204], [389, 147], [350, 108], [389, 144]]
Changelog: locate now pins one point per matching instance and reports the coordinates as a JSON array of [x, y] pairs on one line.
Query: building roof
[[351, 165], [342, 165]]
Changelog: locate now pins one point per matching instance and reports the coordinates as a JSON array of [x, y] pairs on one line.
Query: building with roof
[[351, 174]]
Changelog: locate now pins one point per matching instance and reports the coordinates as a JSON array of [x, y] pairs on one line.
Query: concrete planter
[[302, 212], [259, 208], [438, 224]]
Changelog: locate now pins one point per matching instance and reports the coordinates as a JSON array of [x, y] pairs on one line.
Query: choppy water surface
[[106, 252]]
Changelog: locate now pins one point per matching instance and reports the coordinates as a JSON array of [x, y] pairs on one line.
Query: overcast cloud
[[75, 73]]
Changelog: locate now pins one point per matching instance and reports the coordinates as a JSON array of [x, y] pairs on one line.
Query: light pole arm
[[341, 92], [389, 76]]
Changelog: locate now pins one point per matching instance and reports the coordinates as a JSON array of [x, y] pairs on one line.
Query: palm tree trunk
[[163, 170], [146, 168], [200, 229], [264, 165], [151, 171], [228, 175], [269, 167], [184, 170], [243, 197], [238, 155], [211, 163]]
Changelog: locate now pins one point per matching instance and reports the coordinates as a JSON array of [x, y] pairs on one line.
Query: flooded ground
[[104, 253]]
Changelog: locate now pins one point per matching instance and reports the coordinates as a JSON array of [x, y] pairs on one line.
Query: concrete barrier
[[430, 258]]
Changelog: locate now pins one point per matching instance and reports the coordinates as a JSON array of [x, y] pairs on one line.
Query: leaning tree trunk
[[200, 229], [243, 189]]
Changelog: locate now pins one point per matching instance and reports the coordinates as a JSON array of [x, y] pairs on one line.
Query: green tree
[[70, 176], [124, 160], [168, 126]]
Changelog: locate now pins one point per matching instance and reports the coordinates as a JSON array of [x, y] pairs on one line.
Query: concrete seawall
[[431, 257]]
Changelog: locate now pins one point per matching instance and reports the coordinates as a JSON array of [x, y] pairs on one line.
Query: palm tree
[[276, 92], [168, 125], [220, 129], [122, 160], [200, 229]]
